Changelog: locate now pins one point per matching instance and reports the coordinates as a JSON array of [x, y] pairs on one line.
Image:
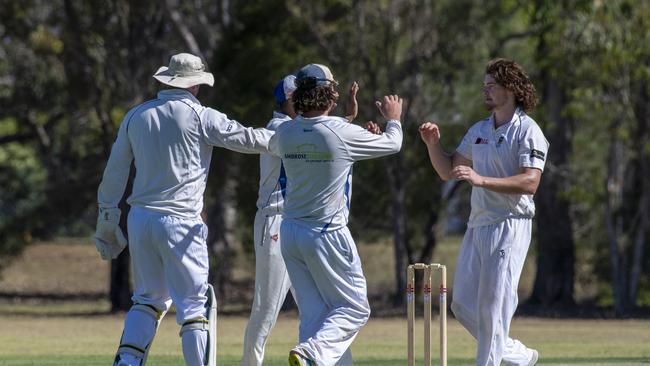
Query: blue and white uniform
[[320, 254], [271, 278], [170, 141], [495, 244]]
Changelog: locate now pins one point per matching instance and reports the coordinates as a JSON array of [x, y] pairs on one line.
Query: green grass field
[[50, 332], [91, 340]]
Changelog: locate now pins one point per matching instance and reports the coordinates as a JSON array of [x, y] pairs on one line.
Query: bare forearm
[[440, 160], [517, 184]]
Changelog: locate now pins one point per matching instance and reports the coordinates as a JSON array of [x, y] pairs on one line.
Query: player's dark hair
[[309, 96], [513, 77]]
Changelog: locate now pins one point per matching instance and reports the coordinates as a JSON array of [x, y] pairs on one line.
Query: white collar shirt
[[502, 152], [317, 154]]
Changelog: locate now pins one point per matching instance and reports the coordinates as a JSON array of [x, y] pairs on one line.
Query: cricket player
[[318, 151], [271, 278], [170, 141], [502, 157]]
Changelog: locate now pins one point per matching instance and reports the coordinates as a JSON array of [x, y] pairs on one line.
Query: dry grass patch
[[63, 267]]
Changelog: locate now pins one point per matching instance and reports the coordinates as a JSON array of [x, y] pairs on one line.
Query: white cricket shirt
[[171, 139], [317, 154], [273, 180], [502, 152]]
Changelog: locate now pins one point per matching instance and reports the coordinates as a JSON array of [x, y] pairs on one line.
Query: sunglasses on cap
[[314, 81]]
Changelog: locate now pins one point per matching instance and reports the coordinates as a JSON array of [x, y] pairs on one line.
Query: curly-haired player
[[271, 279], [502, 157]]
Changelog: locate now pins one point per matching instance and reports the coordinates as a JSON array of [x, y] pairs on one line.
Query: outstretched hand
[[430, 133], [391, 107], [352, 107]]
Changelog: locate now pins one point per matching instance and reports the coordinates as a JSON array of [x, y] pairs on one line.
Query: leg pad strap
[[134, 350], [194, 324]]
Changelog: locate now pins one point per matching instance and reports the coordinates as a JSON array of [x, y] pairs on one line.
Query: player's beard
[[489, 105]]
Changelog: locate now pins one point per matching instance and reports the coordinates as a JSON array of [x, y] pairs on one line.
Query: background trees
[[69, 70]]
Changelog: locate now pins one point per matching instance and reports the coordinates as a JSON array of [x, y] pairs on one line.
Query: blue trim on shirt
[[198, 117], [347, 189], [128, 122], [282, 180], [324, 230]]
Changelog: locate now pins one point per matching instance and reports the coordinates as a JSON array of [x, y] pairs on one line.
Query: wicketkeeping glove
[[109, 239]]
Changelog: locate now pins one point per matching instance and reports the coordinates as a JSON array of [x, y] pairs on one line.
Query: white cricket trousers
[[271, 287], [170, 262], [169, 259], [330, 289], [489, 265]]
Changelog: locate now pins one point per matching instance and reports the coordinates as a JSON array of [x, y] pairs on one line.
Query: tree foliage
[[69, 70]]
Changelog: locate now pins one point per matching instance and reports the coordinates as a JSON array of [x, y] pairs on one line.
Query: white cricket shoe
[[533, 358]]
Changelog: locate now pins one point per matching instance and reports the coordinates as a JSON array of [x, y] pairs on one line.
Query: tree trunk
[[556, 248], [400, 236], [639, 187], [637, 253], [120, 286], [120, 289], [613, 219], [430, 240], [221, 221], [627, 204]]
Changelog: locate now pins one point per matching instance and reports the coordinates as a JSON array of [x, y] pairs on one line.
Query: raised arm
[[352, 107], [442, 162], [362, 144]]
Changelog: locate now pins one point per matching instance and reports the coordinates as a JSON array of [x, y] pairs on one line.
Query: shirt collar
[[313, 120], [177, 94], [280, 115], [515, 117]]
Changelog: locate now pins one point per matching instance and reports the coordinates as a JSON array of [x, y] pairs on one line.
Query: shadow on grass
[[96, 303], [84, 304], [582, 312], [49, 296]]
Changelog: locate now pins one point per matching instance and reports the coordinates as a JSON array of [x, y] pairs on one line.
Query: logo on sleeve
[[480, 140], [537, 154]]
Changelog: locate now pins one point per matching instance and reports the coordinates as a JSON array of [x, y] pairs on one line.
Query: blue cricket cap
[[284, 89]]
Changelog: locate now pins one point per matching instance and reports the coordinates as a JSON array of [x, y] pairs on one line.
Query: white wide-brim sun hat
[[184, 70]]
